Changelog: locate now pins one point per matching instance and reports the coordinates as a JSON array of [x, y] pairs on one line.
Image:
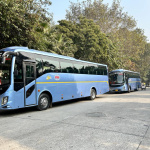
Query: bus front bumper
[[117, 89]]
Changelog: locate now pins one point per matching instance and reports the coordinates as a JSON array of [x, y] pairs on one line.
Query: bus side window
[[29, 74], [105, 71], [92, 69], [82, 70], [39, 70], [50, 65], [102, 70], [18, 76], [86, 69], [78, 68], [66, 67]]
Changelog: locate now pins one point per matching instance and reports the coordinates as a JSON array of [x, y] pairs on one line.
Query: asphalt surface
[[110, 122]]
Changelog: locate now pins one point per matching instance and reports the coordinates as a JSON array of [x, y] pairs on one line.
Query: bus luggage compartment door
[[29, 83]]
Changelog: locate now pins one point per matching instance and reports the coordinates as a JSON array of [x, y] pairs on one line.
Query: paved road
[[110, 122]]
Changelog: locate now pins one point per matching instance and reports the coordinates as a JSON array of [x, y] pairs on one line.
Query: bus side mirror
[[3, 60]]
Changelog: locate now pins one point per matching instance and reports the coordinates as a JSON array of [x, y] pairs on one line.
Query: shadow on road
[[9, 113]]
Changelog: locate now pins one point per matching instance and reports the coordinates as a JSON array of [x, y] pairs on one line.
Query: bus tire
[[129, 89], [43, 102], [92, 94]]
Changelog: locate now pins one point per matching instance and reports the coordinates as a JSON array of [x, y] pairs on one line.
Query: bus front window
[[116, 78], [5, 70]]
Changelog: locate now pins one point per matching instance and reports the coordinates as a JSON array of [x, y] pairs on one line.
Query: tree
[[91, 44], [19, 21], [120, 28], [109, 19], [143, 64], [61, 44]]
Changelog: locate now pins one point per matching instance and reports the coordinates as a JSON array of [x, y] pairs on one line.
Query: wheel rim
[[44, 102], [129, 89], [93, 94]]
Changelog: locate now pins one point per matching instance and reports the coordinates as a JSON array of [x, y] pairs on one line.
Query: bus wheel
[[92, 94], [44, 102], [129, 89], [137, 88]]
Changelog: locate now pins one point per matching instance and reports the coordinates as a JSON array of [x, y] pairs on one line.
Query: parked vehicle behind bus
[[143, 86], [35, 78], [121, 80]]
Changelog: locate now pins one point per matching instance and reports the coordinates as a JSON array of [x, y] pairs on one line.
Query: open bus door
[[29, 68]]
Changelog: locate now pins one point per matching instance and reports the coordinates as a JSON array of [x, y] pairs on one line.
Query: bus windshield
[[5, 70], [116, 78]]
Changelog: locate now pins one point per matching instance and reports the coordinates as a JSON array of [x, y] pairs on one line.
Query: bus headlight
[[4, 100]]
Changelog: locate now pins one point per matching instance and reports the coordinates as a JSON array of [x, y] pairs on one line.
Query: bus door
[[29, 68], [126, 79]]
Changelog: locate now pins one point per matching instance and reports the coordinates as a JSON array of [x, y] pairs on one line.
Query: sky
[[139, 9]]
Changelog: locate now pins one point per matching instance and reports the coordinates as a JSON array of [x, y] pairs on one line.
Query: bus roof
[[122, 70], [26, 49]]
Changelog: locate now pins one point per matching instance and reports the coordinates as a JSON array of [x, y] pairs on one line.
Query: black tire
[[137, 88], [92, 94], [43, 102], [129, 89]]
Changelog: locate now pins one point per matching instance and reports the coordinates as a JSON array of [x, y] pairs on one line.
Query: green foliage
[[93, 31], [89, 42], [109, 19], [143, 64], [127, 40], [20, 21], [59, 43]]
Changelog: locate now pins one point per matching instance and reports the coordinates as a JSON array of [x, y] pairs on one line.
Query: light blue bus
[[124, 80], [35, 78]]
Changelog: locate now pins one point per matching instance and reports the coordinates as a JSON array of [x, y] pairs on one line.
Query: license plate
[[116, 90]]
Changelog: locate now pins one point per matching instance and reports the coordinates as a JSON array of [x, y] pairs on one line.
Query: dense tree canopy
[[109, 19], [21, 22], [92, 31], [128, 40], [89, 42]]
